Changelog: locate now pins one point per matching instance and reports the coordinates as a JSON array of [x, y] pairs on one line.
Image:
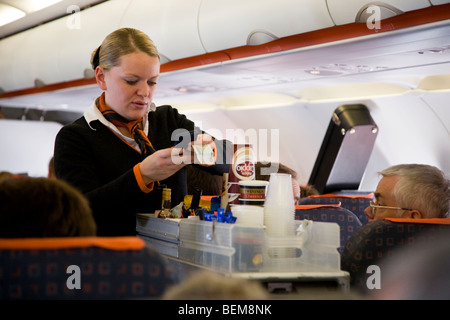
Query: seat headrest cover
[[331, 195], [429, 221], [315, 206], [112, 243]]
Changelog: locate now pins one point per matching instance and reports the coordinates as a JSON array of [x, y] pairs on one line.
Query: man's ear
[[100, 78], [415, 214], [412, 214]]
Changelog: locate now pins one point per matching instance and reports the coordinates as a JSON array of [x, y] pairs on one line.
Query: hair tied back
[[96, 59]]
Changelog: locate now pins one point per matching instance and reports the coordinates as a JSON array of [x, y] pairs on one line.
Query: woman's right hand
[[162, 164]]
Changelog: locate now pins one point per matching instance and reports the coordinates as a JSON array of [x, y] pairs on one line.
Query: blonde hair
[[121, 42]]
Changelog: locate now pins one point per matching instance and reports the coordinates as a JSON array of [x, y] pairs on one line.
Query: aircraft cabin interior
[[337, 90]]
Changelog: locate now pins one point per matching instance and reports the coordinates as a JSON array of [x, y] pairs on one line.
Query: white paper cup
[[251, 216]]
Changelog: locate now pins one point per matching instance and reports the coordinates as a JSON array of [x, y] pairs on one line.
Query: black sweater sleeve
[[89, 165], [96, 161]]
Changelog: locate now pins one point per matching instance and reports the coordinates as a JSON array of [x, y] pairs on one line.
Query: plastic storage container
[[222, 246], [162, 234], [234, 248]]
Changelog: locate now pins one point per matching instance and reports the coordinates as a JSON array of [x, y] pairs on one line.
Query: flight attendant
[[124, 146]]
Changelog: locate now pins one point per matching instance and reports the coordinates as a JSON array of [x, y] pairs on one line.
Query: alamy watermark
[[74, 280], [374, 280], [374, 19], [265, 143], [73, 21]]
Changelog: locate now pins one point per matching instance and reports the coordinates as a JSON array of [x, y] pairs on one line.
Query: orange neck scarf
[[133, 126]]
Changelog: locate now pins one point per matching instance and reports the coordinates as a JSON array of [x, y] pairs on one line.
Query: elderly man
[[411, 191]]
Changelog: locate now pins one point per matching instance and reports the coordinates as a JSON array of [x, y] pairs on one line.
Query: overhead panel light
[[41, 4], [356, 91], [9, 14], [194, 106], [256, 101], [437, 83]]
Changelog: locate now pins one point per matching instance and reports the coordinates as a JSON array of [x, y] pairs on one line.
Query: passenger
[[123, 144], [41, 207], [263, 171], [207, 285], [411, 191], [6, 175], [307, 190], [210, 184]]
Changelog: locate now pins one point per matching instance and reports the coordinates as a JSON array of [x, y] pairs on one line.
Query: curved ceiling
[[20, 15], [401, 58]]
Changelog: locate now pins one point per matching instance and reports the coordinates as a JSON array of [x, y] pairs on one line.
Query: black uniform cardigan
[[97, 162]]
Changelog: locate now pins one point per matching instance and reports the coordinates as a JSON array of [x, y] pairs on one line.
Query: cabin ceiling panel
[[172, 25], [234, 23], [403, 56], [37, 12]]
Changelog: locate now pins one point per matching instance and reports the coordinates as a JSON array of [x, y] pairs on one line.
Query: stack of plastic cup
[[279, 209], [279, 214]]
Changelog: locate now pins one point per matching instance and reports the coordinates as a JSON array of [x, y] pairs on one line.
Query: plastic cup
[[279, 209], [280, 190]]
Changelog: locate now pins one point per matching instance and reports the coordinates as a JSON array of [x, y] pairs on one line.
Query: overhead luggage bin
[[77, 44], [8, 51], [239, 25], [438, 2], [34, 62], [59, 50], [350, 11], [172, 25]]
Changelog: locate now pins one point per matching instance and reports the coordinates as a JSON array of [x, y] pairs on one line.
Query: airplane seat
[[81, 268], [347, 220], [356, 203], [375, 242]]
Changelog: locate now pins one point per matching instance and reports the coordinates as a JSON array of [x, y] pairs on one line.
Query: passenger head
[[42, 207], [264, 170], [411, 191], [307, 190], [209, 183], [5, 175], [208, 285]]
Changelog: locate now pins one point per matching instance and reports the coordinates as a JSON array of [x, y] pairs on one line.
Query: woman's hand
[[203, 150], [203, 139], [162, 164]]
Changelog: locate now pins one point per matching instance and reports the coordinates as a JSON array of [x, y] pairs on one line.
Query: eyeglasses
[[373, 207]]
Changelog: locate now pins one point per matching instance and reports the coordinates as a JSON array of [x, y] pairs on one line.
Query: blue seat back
[[347, 220], [376, 241], [354, 203], [102, 268]]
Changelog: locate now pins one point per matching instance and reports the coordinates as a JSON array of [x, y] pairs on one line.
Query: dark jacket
[[100, 165]]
